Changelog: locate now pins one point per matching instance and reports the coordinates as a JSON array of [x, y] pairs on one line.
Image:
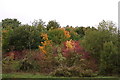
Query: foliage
[[102, 43], [46, 44], [69, 51], [74, 36], [25, 37], [60, 58], [71, 46], [73, 71], [13, 23], [52, 25], [80, 31], [10, 65], [94, 40], [6, 33], [39, 24], [109, 59], [58, 35]]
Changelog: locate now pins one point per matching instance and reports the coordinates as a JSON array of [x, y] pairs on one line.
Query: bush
[[61, 72], [74, 71], [26, 66], [87, 73], [30, 61], [10, 65]]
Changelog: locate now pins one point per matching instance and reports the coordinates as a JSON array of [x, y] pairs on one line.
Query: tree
[[94, 39], [73, 33], [80, 31], [25, 37], [102, 44], [6, 33], [39, 24], [0, 24], [109, 59], [58, 35], [13, 23], [52, 25], [107, 26]]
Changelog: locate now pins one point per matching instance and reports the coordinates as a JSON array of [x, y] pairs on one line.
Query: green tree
[[73, 33], [57, 36], [25, 37], [39, 24], [109, 59], [52, 25], [13, 23], [80, 31], [107, 26], [6, 33], [102, 44], [94, 39], [0, 24]]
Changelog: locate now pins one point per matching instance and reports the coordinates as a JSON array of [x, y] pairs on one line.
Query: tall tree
[[94, 39], [52, 25], [40, 24], [10, 23]]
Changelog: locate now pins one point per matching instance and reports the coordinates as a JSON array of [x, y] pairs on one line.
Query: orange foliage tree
[[46, 43]]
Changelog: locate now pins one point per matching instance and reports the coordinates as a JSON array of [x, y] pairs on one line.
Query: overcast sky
[[66, 12]]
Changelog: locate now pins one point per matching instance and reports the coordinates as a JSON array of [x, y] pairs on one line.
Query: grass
[[24, 75], [31, 76]]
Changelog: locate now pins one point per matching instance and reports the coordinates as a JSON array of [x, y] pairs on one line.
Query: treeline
[[99, 45]]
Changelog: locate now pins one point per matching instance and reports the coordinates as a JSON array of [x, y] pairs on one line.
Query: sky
[[66, 12]]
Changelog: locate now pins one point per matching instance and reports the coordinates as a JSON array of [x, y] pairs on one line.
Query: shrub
[[74, 71], [74, 47], [61, 72], [10, 65], [25, 66], [87, 73]]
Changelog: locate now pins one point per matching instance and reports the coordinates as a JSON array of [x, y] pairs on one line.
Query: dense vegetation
[[60, 51]]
